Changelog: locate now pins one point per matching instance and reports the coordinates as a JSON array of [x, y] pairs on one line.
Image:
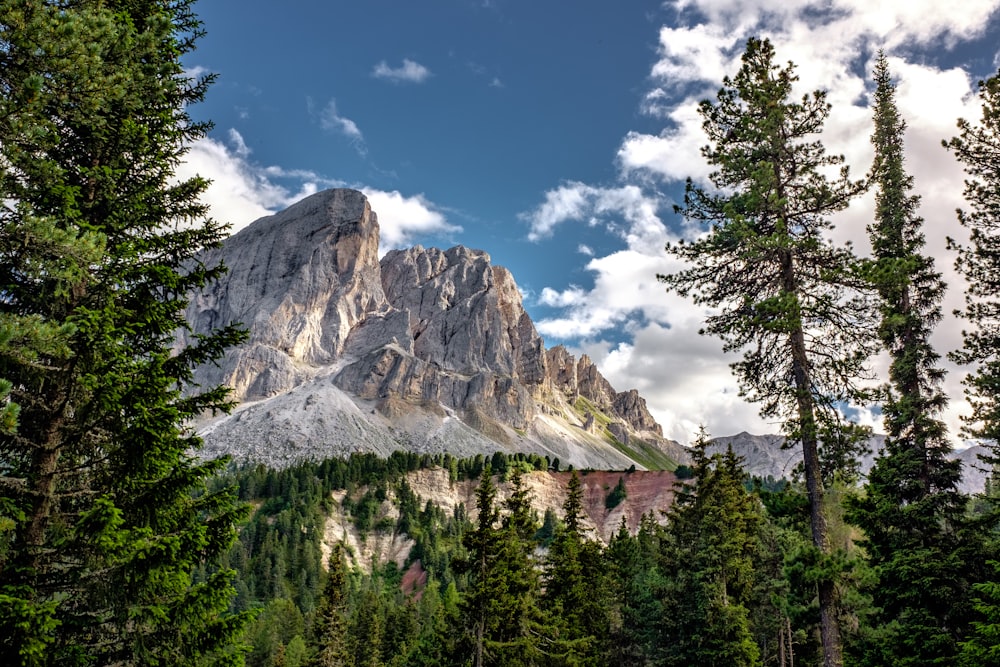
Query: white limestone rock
[[425, 350], [300, 281]]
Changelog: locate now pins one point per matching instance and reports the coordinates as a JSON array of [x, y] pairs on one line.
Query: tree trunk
[[829, 625]]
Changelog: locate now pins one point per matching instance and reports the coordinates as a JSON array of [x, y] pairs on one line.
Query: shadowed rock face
[[442, 331], [470, 342], [300, 281]]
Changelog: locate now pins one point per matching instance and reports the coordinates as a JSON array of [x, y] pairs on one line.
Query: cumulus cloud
[[642, 337], [673, 154], [703, 52], [242, 191], [409, 72], [401, 218], [682, 376], [626, 210]]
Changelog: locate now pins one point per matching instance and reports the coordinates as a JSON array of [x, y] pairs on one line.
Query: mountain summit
[[427, 350]]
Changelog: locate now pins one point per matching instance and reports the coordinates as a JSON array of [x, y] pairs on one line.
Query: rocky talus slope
[[426, 350]]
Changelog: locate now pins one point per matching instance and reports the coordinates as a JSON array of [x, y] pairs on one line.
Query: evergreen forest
[[119, 545]]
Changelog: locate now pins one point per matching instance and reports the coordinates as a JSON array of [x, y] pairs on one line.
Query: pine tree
[[574, 586], [782, 294], [710, 544], [368, 630], [634, 577], [523, 626], [504, 625], [483, 546], [105, 512], [912, 513], [329, 632], [977, 147], [982, 647]]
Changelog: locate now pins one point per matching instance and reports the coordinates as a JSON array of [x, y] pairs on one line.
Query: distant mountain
[[763, 455], [426, 350]]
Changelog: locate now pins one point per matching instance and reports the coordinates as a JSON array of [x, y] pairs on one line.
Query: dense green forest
[[728, 579], [500, 582], [119, 546]]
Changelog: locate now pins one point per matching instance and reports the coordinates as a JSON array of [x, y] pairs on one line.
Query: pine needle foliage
[[916, 536], [779, 291], [105, 511], [977, 147]]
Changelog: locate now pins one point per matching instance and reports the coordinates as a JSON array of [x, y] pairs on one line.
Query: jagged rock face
[[592, 385], [300, 281], [431, 346], [581, 378], [562, 371], [465, 315], [471, 343], [631, 407], [388, 372]]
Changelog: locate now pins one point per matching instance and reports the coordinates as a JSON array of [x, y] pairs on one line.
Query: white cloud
[[574, 201], [401, 218], [197, 72], [923, 22], [565, 203], [239, 146], [585, 249], [408, 72], [682, 376], [331, 120], [239, 192], [685, 377], [625, 291], [242, 191], [574, 296], [700, 53], [672, 155]]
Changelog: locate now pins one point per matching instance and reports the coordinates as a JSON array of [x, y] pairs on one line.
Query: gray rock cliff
[[300, 281], [427, 349]]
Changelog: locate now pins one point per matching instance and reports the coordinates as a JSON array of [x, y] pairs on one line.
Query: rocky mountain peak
[[300, 281], [426, 348]]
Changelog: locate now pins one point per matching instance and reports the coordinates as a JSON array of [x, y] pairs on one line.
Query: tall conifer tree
[[504, 623], [329, 631], [483, 546], [104, 511], [574, 586], [977, 147], [710, 544], [912, 512], [523, 626], [782, 293]]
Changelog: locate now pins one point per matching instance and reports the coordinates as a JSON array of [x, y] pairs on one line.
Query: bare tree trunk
[[829, 624]]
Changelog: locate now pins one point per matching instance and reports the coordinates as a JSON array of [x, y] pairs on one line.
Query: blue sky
[[556, 136]]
